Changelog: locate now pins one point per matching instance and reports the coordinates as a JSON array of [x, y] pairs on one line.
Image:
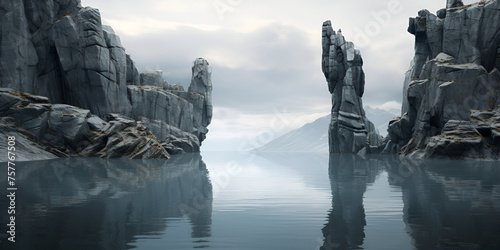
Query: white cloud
[[265, 54], [138, 26], [390, 106]]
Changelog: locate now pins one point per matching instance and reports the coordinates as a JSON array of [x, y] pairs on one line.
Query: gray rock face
[[201, 83], [478, 138], [153, 79], [453, 73], [23, 143], [454, 3], [124, 137], [60, 50], [350, 130], [60, 130], [188, 111]]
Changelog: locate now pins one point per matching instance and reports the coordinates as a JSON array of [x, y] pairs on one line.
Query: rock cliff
[[451, 104], [58, 52], [350, 131]]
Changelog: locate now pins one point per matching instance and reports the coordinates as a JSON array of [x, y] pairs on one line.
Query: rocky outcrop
[[60, 50], [477, 138], [153, 79], [350, 131], [454, 71], [44, 131]]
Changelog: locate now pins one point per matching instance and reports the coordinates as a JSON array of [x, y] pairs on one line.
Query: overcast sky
[[266, 55]]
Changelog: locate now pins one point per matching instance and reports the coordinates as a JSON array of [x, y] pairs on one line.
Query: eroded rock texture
[[59, 50], [454, 72], [45, 131], [350, 131]]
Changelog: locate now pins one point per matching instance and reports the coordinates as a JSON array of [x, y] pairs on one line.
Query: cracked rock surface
[[59, 53], [350, 131], [453, 81]]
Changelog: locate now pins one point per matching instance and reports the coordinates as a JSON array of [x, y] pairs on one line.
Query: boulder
[[60, 130], [25, 146], [474, 139], [175, 140], [124, 137], [458, 139]]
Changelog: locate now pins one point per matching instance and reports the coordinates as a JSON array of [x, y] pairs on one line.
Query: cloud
[[272, 66], [265, 55]]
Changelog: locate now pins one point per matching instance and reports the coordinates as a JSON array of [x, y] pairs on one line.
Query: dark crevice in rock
[[439, 112], [350, 131]]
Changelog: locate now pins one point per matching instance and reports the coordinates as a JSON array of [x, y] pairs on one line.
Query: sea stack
[[350, 131]]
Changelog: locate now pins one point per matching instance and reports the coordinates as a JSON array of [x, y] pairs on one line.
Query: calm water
[[248, 201]]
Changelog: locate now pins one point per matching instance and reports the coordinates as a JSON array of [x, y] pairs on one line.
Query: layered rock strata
[[60, 50], [454, 72], [45, 131], [350, 131]]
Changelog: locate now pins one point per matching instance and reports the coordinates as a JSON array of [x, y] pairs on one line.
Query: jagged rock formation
[[60, 50], [455, 71], [44, 131], [350, 131], [477, 138], [189, 111]]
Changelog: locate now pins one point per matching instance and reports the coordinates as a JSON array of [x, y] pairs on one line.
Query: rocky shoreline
[[450, 107], [67, 88]]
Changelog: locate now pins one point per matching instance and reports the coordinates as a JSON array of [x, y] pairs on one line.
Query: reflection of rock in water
[[451, 204], [447, 204], [349, 175], [104, 204]]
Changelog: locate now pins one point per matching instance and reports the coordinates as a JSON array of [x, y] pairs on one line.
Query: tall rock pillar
[[201, 83], [350, 131]]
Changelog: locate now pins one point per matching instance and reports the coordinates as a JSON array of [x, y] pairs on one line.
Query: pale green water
[[247, 201]]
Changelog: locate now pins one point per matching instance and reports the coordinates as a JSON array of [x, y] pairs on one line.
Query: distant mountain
[[313, 137], [380, 118]]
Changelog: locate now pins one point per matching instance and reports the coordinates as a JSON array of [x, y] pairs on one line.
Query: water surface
[[255, 201]]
